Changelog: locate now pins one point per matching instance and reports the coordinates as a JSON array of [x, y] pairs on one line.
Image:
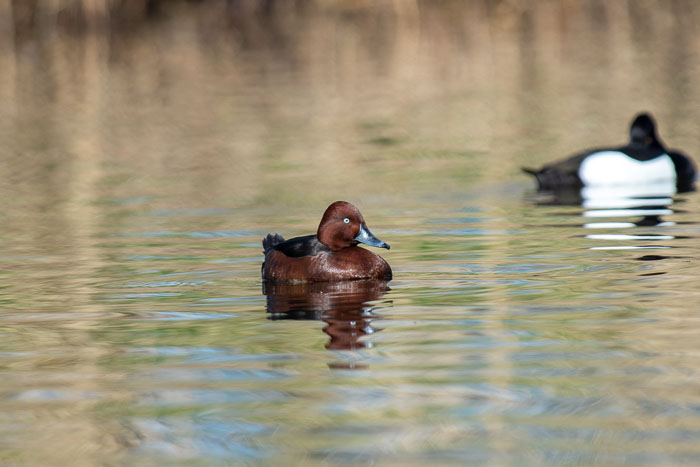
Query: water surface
[[140, 173]]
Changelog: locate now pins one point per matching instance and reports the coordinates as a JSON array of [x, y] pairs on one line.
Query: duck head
[[342, 225], [643, 131]]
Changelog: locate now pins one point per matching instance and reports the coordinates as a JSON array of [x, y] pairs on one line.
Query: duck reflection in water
[[649, 204], [342, 305], [623, 217]]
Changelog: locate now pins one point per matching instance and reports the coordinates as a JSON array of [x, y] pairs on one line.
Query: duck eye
[[346, 220]]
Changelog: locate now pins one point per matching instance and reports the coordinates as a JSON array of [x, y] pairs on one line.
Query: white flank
[[616, 168]]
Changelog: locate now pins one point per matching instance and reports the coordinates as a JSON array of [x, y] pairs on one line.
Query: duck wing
[[295, 247], [559, 174], [685, 171]]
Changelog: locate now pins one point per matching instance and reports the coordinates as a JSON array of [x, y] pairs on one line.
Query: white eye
[[346, 220]]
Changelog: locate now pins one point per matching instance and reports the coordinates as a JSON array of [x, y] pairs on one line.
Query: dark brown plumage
[[330, 255]]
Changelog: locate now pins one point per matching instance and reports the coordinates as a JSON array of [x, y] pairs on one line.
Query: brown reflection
[[343, 306]]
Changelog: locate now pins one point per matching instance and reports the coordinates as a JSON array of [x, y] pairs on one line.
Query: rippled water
[[138, 181]]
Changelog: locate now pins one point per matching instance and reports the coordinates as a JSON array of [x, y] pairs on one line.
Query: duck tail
[[537, 174], [271, 241]]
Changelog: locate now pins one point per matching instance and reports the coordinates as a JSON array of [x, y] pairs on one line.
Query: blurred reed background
[[230, 91], [217, 103], [239, 103]]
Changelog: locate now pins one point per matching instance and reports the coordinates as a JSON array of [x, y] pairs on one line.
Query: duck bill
[[368, 238]]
